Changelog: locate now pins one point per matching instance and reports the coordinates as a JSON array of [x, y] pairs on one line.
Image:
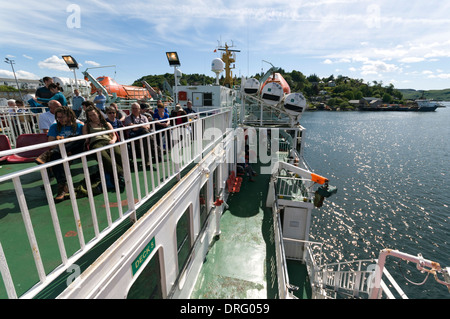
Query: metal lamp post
[[9, 61], [174, 61]]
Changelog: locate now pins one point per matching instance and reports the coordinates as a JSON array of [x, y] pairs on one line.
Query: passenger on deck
[[145, 110], [48, 118], [66, 126], [77, 99], [111, 113], [120, 115], [44, 92], [244, 167], [190, 110], [158, 104], [161, 114], [57, 95], [83, 116], [176, 114], [21, 107], [25, 120], [134, 119], [12, 106], [96, 123], [100, 100]]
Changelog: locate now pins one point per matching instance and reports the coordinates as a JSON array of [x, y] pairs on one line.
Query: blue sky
[[406, 43]]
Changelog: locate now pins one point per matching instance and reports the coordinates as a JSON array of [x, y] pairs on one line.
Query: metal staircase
[[348, 279]]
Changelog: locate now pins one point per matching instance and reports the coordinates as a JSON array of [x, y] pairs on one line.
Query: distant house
[[354, 102], [331, 84], [370, 102]]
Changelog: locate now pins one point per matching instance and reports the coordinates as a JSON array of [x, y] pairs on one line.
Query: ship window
[[207, 99], [148, 285], [183, 238], [203, 208]]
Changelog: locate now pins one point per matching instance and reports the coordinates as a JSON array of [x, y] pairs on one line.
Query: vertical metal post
[[14, 72], [176, 84], [6, 275]]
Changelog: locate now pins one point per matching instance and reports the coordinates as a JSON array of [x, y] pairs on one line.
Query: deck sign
[[143, 255]]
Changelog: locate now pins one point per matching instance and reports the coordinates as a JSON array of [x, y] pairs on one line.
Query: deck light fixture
[[70, 61], [174, 61], [73, 65]]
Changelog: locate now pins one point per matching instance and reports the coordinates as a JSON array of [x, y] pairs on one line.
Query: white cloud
[[54, 63], [327, 61], [20, 74], [442, 76], [93, 63], [411, 60], [27, 57], [378, 67], [6, 74]]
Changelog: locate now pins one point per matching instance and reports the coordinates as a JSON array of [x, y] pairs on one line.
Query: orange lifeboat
[[274, 89], [122, 91], [278, 78]]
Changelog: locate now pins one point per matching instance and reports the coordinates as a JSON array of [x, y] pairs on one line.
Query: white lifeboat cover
[[272, 93], [251, 86], [295, 103]]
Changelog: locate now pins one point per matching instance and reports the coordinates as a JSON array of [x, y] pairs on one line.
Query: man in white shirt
[[48, 118]]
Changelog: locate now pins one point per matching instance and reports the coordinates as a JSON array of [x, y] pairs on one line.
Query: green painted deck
[[298, 277], [241, 263], [13, 235]]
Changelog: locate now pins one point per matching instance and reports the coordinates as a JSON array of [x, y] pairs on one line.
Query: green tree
[[387, 98]]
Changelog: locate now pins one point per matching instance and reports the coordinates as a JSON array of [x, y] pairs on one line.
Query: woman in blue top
[[66, 126], [112, 119]]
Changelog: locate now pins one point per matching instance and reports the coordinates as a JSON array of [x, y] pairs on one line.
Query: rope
[[410, 281]]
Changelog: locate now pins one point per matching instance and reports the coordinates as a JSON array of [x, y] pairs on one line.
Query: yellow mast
[[227, 59]]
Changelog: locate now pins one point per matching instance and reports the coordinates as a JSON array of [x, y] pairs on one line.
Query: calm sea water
[[391, 170]]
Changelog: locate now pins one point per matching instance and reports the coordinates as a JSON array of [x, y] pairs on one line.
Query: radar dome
[[217, 65]]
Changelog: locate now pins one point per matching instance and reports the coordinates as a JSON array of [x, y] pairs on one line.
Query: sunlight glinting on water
[[391, 178]]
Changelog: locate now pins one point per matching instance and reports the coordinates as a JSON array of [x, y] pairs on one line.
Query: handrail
[[166, 170]]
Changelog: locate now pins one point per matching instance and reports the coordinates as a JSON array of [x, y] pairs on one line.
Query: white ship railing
[[183, 154], [349, 277], [13, 124], [356, 279], [294, 188]]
